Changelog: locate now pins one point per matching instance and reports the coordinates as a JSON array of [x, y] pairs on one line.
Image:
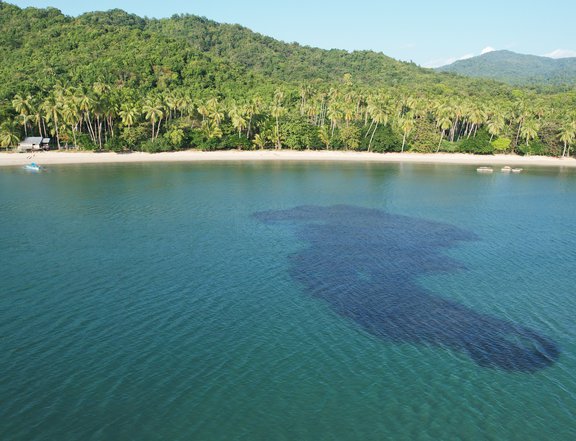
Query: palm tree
[[259, 141], [37, 117], [324, 135], [349, 112], [379, 116], [441, 112], [443, 123], [334, 115], [567, 135], [52, 108], [476, 117], [252, 109], [128, 114], [521, 115], [71, 116], [406, 124], [203, 111], [305, 91], [86, 107], [153, 112], [172, 102], [529, 130], [277, 110], [211, 130], [99, 110], [111, 112], [23, 120], [7, 138], [212, 105], [23, 105], [456, 114], [215, 112], [495, 125], [236, 115]]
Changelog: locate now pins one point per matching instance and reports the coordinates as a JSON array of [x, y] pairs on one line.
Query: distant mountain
[[517, 69]]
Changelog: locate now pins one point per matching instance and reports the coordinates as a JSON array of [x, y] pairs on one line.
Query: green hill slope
[[518, 69], [285, 61], [42, 46]]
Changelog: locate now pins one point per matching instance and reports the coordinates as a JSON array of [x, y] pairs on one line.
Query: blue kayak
[[33, 167]]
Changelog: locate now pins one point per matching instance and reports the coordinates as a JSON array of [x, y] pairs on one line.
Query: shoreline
[[59, 157]]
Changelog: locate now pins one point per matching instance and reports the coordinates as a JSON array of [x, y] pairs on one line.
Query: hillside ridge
[[517, 69]]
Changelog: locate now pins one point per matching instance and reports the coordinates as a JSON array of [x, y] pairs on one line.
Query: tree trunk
[[369, 128], [99, 132], [372, 137], [57, 134], [440, 142], [453, 130], [158, 128], [90, 128], [278, 145]]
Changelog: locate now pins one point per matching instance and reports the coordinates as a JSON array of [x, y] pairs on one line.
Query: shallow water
[[287, 301]]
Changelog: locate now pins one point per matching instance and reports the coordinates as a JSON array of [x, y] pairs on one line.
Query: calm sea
[[287, 301]]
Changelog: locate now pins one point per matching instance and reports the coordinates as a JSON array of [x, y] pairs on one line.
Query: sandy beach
[[60, 157]]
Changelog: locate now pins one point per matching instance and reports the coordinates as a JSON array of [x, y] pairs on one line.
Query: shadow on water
[[364, 264]]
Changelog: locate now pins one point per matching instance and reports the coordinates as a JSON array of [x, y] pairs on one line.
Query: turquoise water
[[286, 301]]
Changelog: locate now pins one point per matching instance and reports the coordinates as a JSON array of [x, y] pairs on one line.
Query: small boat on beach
[[485, 170], [517, 170], [506, 169], [33, 167]]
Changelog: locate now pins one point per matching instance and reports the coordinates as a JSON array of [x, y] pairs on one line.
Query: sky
[[430, 33]]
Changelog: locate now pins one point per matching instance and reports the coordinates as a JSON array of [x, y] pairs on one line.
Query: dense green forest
[[114, 81], [517, 69]]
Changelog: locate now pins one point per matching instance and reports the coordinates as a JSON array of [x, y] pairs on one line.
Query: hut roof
[[35, 140]]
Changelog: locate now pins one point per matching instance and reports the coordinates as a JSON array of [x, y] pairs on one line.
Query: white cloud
[[439, 62], [487, 49], [561, 53]]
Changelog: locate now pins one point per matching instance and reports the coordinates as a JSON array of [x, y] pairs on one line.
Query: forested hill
[[113, 80], [285, 61], [41, 46], [518, 69]]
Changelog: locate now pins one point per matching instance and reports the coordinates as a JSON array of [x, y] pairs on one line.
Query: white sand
[[60, 157]]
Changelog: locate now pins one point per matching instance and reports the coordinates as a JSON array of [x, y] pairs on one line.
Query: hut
[[34, 144]]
